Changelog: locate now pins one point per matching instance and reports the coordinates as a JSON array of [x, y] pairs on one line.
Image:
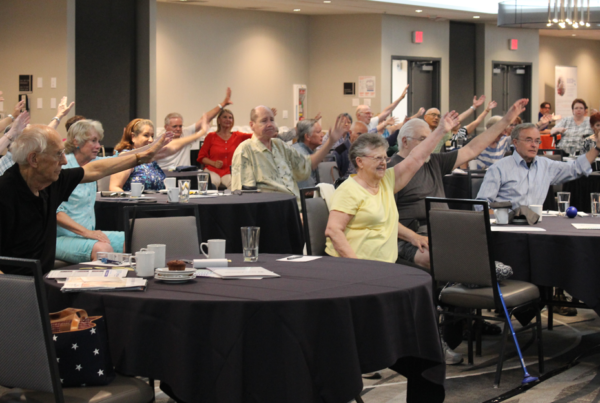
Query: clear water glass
[[202, 183], [564, 202], [595, 210], [184, 190], [250, 238]]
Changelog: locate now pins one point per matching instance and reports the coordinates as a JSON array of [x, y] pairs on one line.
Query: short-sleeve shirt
[[181, 157], [216, 149], [275, 170], [28, 222], [314, 176], [373, 230], [427, 182]]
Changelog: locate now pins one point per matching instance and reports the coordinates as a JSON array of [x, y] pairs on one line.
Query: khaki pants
[[217, 180]]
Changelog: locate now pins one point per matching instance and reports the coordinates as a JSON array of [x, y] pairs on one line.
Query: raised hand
[[478, 102], [420, 113], [404, 92], [17, 127], [449, 121], [18, 108], [517, 108], [227, 100], [338, 131], [63, 109], [547, 118], [274, 110], [318, 117], [492, 105]]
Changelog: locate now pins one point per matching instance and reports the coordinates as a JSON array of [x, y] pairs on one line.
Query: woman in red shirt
[[218, 148]]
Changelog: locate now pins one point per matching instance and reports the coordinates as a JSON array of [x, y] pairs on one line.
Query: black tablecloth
[[304, 337], [222, 217], [580, 191], [562, 256]]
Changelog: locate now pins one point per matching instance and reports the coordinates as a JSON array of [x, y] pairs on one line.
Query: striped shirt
[[510, 179], [6, 162], [491, 155]]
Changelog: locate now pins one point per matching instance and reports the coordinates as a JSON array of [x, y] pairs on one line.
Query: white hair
[[411, 127], [173, 115], [492, 121], [34, 139], [80, 132]]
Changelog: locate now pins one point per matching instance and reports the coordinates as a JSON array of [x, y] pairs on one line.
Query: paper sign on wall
[[565, 89], [299, 102], [366, 87]]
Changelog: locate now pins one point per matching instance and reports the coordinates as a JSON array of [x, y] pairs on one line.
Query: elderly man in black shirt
[[33, 188]]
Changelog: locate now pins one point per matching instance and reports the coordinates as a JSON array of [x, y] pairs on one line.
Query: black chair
[[475, 181], [27, 356], [450, 233], [315, 215], [178, 227]]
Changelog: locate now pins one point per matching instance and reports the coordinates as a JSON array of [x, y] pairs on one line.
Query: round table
[[562, 256], [580, 191], [222, 217], [304, 337]]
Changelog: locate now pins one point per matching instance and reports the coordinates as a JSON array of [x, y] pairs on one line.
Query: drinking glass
[[184, 191], [564, 201], [202, 183], [250, 237], [595, 204]]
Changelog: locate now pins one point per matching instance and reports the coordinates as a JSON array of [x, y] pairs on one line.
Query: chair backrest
[[104, 184], [459, 244], [315, 215], [555, 157], [27, 356], [326, 171], [554, 151], [177, 227], [475, 180]]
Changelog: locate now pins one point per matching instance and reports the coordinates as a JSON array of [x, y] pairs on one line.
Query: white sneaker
[[451, 357]]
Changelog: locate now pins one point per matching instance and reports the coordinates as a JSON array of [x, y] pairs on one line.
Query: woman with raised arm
[[575, 129]]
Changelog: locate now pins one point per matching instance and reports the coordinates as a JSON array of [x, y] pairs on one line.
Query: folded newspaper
[[76, 284]]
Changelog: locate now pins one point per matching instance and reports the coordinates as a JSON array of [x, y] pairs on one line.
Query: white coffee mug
[[173, 195], [170, 183], [501, 215], [160, 252], [144, 263], [216, 248], [538, 209], [137, 189]]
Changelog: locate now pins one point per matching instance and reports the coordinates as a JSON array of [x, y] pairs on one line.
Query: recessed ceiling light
[[476, 16], [327, 2], [296, 9], [573, 35], [419, 11]]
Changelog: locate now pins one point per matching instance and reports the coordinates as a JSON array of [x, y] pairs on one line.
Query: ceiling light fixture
[[326, 1], [296, 9], [419, 11], [476, 16]]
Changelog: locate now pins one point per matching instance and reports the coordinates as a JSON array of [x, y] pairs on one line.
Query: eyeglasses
[[435, 115], [529, 140], [419, 139], [379, 159], [58, 156]]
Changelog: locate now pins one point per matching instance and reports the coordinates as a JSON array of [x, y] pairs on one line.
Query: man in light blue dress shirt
[[524, 177]]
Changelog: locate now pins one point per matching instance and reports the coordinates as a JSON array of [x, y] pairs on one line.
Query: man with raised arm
[[267, 163], [365, 115], [174, 124], [33, 188]]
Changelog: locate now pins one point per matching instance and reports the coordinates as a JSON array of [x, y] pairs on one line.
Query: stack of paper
[[65, 274], [586, 226], [246, 273], [75, 284]]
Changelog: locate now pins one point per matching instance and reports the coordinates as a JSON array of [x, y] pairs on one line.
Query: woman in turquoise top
[[78, 240]]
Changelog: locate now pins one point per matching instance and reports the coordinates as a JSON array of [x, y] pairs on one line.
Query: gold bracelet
[[138, 159]]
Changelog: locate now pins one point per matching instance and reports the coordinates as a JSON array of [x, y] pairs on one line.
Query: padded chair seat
[[515, 293], [59, 264], [122, 389]]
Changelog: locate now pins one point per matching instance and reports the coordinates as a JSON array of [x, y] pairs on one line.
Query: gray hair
[[254, 112], [172, 116], [303, 128], [34, 139], [365, 143], [518, 128], [492, 121], [80, 132], [410, 127]]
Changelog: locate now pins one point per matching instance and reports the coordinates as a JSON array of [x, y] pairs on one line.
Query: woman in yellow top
[[363, 218]]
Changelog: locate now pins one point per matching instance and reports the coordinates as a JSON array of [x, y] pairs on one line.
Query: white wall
[[200, 51], [496, 49], [35, 41], [585, 54], [342, 48], [396, 41]]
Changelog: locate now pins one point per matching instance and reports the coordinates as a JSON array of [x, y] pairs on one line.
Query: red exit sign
[[513, 44], [417, 36]]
